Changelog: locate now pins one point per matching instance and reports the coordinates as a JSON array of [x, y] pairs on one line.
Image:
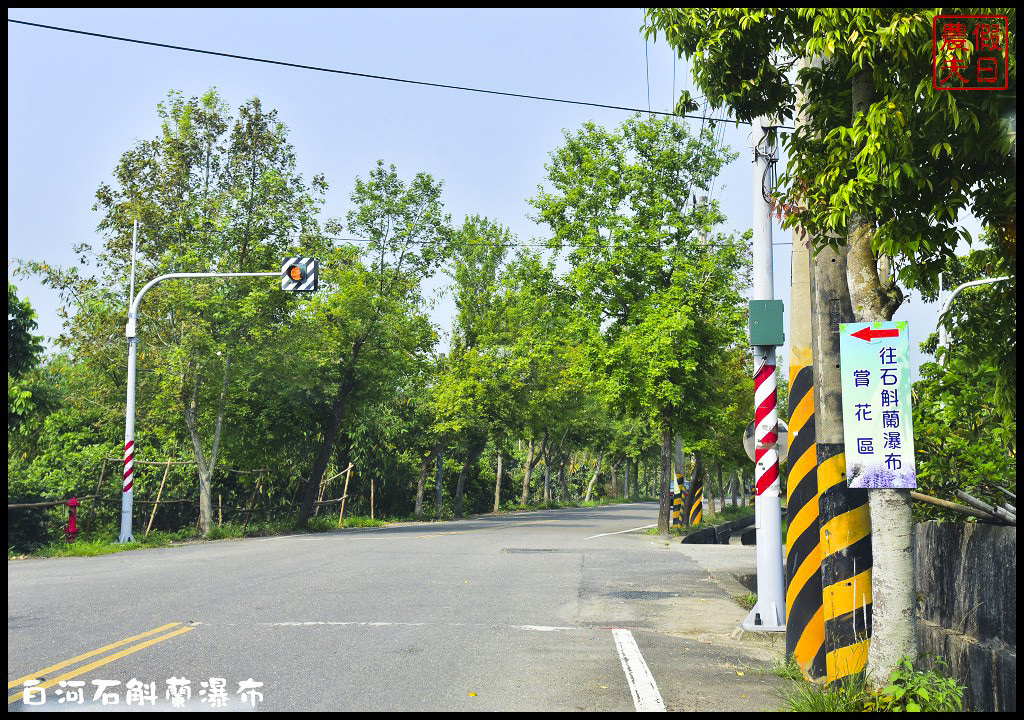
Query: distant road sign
[[782, 446]]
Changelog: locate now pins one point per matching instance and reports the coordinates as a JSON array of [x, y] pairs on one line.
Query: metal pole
[[127, 492], [943, 333], [768, 614], [135, 238]]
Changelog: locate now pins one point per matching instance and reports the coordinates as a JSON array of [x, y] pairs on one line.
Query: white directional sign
[[877, 422]]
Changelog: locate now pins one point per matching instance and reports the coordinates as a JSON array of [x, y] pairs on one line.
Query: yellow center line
[[72, 661], [99, 663]]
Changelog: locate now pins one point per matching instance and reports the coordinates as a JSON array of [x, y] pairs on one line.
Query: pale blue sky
[[76, 103]]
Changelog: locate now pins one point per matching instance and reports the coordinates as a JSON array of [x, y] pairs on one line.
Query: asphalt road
[[557, 610]]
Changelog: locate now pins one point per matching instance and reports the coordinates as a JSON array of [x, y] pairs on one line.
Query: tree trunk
[[664, 505], [526, 473], [547, 482], [206, 468], [721, 486], [875, 298], [615, 487], [421, 484], [562, 482], [497, 485], [323, 455], [472, 454], [590, 485]]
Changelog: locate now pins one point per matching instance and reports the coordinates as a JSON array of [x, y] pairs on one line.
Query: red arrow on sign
[[869, 334]]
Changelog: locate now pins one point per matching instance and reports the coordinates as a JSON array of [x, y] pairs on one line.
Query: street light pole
[[943, 333], [127, 491]]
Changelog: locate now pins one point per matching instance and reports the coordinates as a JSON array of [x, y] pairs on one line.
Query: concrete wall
[[966, 576]]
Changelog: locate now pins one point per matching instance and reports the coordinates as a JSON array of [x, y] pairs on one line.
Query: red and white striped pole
[[127, 491], [127, 480], [769, 613], [766, 421]]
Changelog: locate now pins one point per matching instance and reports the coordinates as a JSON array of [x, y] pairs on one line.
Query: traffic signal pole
[[127, 491], [769, 613]]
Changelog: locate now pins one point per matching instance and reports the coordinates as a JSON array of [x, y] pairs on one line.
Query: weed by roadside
[[908, 690], [90, 547], [747, 602]]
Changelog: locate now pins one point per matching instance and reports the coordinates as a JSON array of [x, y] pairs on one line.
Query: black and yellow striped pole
[[805, 626], [679, 487], [695, 509], [843, 515]]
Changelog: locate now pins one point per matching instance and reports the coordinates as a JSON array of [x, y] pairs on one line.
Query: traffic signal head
[[299, 274]]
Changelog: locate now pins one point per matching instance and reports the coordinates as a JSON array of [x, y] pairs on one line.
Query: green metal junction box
[[766, 323]]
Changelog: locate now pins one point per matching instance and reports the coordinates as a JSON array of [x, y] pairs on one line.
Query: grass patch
[[849, 696], [788, 670], [747, 602], [92, 547], [908, 690]]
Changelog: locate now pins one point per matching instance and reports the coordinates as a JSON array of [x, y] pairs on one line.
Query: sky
[[76, 103]]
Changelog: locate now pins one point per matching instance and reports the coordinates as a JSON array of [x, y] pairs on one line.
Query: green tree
[[23, 348], [23, 351], [366, 313], [662, 303], [210, 193]]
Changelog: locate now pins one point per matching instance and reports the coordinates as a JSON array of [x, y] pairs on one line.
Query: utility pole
[[768, 614], [805, 629], [843, 515]]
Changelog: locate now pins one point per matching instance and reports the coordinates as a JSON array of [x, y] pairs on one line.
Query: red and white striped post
[[127, 481], [769, 614]]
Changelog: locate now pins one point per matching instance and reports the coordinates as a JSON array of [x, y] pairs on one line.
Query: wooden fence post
[[344, 494], [158, 494]]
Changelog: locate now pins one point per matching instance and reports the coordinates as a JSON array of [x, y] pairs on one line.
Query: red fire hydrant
[[72, 526]]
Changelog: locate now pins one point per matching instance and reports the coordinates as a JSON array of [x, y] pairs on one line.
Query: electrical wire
[[370, 76], [438, 243]]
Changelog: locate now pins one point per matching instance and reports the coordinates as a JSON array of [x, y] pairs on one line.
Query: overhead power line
[[370, 76]]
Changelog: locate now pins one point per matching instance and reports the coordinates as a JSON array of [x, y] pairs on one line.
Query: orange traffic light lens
[[295, 273]]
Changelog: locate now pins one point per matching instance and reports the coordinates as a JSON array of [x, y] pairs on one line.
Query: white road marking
[[646, 697], [280, 537], [619, 532]]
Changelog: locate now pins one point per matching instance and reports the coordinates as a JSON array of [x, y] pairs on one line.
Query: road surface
[[557, 610]]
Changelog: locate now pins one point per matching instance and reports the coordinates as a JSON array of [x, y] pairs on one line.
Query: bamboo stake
[[320, 495], [921, 497], [371, 497], [344, 494], [996, 512], [158, 494], [220, 511]]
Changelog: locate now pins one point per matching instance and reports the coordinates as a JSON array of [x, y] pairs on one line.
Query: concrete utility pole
[[769, 612], [127, 491], [805, 628], [843, 515]]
